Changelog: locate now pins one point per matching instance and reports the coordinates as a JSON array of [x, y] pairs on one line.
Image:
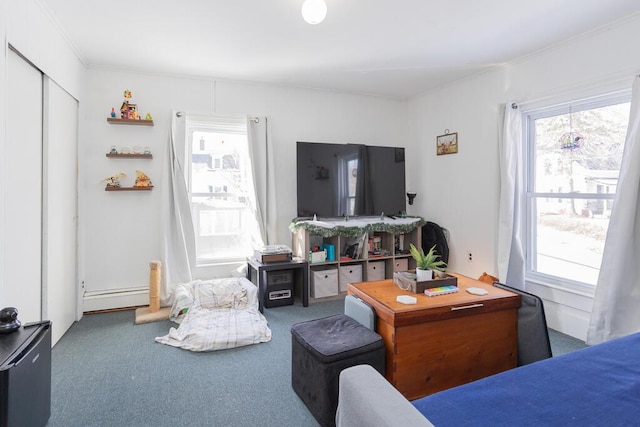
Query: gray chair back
[[533, 335], [360, 311]]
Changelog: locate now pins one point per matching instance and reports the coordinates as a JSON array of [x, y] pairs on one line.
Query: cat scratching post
[[153, 312], [154, 286]]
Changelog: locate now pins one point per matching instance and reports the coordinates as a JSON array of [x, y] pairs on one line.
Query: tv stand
[[366, 249]]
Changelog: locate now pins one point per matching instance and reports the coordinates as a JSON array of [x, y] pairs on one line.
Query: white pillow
[[220, 293]]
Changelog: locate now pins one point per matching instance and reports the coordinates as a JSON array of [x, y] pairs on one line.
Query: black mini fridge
[[25, 376]]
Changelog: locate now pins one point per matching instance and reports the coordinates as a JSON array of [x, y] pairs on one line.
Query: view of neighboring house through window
[[574, 156], [221, 190]]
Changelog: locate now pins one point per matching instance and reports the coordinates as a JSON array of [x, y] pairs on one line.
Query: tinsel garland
[[356, 231]]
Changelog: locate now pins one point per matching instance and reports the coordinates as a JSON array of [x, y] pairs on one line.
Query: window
[[573, 162], [221, 189]]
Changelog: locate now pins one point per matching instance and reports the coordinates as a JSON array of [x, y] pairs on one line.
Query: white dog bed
[[216, 314]]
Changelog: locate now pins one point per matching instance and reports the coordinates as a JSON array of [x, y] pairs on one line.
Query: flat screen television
[[335, 180]]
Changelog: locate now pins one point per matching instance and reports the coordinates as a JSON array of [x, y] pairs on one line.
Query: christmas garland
[[355, 231]]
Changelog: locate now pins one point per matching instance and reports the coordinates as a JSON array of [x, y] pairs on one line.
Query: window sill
[[576, 288]]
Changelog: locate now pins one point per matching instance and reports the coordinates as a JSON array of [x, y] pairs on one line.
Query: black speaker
[[9, 320]]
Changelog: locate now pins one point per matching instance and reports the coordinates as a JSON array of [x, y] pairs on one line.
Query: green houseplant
[[426, 264]]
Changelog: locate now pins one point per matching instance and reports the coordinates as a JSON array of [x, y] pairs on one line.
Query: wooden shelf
[[128, 188], [130, 156], [113, 121]]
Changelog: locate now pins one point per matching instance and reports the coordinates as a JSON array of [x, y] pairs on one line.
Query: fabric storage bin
[[401, 264], [375, 271], [324, 283], [351, 273]]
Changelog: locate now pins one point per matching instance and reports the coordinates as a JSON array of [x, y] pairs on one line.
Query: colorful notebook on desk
[[441, 290]]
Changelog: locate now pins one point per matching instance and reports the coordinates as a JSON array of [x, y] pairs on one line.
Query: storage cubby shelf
[[330, 278], [113, 121]]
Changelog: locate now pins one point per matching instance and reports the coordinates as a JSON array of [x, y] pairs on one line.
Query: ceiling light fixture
[[314, 11]]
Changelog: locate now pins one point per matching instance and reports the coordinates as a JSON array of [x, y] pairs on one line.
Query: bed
[[595, 386], [216, 314]]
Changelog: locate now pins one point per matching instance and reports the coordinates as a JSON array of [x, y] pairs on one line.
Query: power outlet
[[470, 256]]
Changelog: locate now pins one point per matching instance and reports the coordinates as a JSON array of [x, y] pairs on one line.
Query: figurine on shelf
[[113, 150], [124, 110], [142, 180], [148, 117], [114, 181], [113, 112], [147, 150], [127, 94]]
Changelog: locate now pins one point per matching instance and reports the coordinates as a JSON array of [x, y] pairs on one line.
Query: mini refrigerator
[[25, 376]]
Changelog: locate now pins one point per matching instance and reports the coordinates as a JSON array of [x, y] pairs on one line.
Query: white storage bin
[[351, 273], [375, 271], [324, 283], [401, 264]]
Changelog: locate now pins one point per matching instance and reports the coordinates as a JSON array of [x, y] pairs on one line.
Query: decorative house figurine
[[124, 110], [142, 180], [114, 181], [128, 110]]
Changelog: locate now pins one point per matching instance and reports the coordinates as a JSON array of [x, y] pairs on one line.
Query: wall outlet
[[469, 256]]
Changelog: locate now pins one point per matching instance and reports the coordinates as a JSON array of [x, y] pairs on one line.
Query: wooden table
[[446, 340]]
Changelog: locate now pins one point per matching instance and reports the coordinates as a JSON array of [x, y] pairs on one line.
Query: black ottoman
[[320, 350]]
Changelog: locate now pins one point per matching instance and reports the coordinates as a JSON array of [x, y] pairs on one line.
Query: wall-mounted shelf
[[128, 188], [113, 121], [130, 156]]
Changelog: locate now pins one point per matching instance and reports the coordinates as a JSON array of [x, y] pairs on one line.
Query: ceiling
[[394, 49]]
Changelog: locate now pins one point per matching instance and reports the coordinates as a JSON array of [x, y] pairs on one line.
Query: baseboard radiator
[[115, 298]]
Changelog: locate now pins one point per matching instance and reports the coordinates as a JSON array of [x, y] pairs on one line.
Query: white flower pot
[[423, 275]]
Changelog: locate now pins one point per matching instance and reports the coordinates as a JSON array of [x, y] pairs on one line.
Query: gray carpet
[[107, 371]]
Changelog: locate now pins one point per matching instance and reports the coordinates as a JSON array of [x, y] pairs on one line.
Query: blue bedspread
[[595, 386]]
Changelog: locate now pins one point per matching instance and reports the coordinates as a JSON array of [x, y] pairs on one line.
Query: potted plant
[[426, 264]]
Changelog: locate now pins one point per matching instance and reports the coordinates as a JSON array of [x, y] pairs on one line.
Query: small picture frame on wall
[[447, 143]]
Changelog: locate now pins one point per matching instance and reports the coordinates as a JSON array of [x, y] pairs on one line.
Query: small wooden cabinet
[[443, 341]]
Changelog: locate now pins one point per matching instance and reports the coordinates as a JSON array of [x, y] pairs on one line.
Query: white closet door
[[60, 289], [23, 204]]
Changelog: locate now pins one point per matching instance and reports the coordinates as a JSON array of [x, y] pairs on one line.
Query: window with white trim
[[573, 154], [221, 189]]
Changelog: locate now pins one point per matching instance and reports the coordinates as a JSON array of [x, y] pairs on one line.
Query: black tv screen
[[335, 180]]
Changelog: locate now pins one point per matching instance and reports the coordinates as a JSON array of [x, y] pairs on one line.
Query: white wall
[[121, 229], [461, 191]]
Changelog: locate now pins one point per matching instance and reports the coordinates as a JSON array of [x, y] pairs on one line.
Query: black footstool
[[320, 350]]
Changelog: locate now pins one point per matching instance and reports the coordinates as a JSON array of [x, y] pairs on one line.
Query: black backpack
[[433, 234]]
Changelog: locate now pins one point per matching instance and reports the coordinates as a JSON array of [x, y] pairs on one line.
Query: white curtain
[[261, 152], [616, 305], [511, 263], [178, 236]]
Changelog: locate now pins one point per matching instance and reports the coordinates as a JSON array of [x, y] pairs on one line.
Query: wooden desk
[[443, 341]]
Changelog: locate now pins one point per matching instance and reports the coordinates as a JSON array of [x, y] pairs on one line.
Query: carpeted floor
[[107, 371]]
